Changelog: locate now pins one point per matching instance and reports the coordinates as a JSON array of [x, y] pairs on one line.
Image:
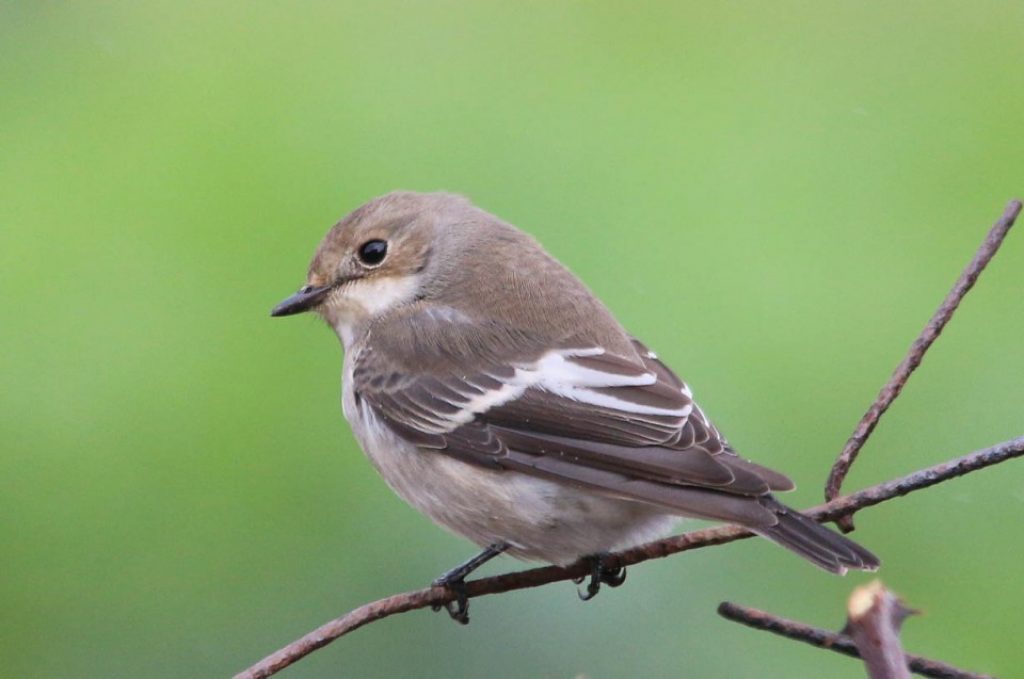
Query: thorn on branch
[[864, 603]]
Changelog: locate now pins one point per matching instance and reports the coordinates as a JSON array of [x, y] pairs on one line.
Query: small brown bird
[[497, 395]]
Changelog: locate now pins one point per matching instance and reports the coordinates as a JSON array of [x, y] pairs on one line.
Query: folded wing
[[622, 426]]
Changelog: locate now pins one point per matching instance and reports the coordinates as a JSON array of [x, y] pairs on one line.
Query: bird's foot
[[455, 581], [600, 573], [458, 609]]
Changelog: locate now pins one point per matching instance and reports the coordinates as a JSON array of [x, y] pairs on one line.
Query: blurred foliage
[[775, 196]]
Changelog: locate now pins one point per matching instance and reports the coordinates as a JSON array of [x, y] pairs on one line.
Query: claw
[[454, 581], [614, 578], [600, 573], [458, 609], [593, 587]]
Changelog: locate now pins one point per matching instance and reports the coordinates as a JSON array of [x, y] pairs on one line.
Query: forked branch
[[916, 354], [535, 577]]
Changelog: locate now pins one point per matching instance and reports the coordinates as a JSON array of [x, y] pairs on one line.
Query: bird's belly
[[539, 519]]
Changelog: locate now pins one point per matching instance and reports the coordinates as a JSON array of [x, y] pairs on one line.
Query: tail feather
[[814, 542]]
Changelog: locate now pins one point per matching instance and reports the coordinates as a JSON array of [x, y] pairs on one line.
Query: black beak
[[305, 299]]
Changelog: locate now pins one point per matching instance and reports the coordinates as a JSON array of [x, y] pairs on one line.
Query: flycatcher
[[497, 395]]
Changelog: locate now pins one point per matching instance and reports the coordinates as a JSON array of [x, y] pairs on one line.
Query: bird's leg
[[600, 574], [466, 567], [455, 580]]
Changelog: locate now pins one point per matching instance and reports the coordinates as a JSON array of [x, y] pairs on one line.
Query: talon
[[592, 589], [594, 586], [600, 573], [614, 578], [458, 610]]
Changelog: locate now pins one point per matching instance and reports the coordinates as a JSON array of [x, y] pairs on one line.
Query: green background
[[775, 196]]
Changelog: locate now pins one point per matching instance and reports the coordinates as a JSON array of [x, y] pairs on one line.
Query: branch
[[832, 641], [916, 354], [875, 616], [432, 596]]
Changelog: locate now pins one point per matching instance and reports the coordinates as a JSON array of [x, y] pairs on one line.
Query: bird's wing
[[625, 426]]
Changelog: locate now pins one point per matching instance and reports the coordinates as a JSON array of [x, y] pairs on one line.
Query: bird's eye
[[372, 252]]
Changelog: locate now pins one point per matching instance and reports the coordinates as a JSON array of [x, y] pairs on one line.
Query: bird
[[497, 395]]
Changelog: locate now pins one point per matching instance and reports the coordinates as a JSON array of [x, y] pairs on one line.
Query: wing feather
[[626, 426]]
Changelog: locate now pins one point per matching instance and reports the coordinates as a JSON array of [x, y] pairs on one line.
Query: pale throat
[[360, 300]]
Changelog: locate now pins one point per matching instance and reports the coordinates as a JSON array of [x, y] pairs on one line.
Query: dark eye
[[372, 252]]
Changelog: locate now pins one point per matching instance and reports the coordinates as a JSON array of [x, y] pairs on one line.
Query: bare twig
[[875, 616], [916, 353], [833, 641], [423, 598]]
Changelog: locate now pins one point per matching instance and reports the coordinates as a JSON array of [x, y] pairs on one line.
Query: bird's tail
[[819, 545]]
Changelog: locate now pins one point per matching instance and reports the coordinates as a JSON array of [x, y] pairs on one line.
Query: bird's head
[[376, 258]]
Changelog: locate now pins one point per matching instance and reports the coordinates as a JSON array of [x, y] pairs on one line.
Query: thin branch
[[431, 596], [832, 641], [875, 616], [916, 354]]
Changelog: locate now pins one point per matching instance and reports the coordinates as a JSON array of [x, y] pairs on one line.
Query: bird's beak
[[305, 299]]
